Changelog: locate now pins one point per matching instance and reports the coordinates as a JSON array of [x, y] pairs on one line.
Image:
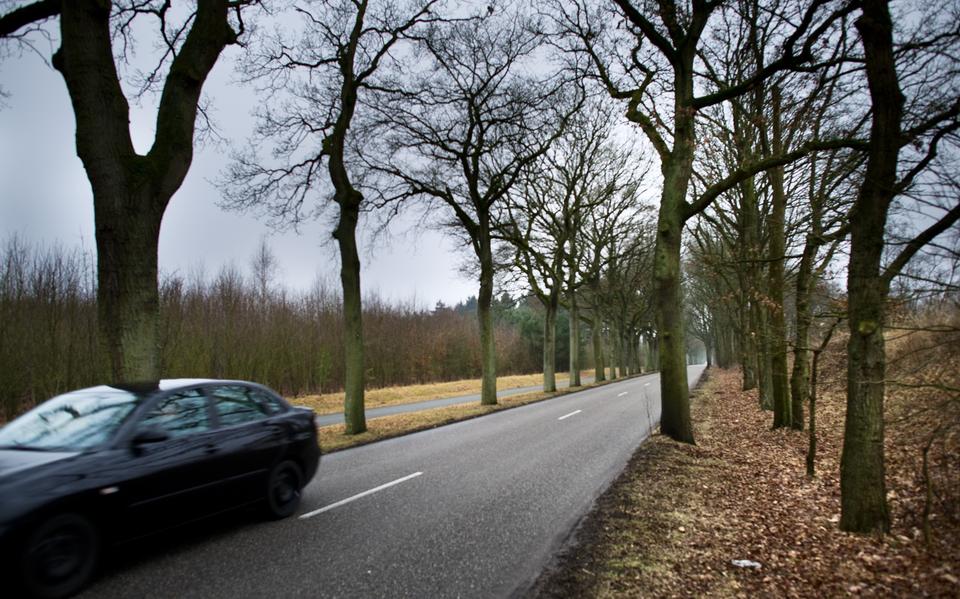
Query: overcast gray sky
[[47, 199]]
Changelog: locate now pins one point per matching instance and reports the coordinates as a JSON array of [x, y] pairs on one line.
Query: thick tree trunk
[[674, 391], [131, 192], [626, 355], [354, 363], [488, 348], [777, 249], [863, 500], [550, 342], [812, 433], [653, 356], [643, 350], [597, 338], [128, 302], [748, 343], [677, 168], [635, 348], [349, 200], [613, 352], [574, 341], [800, 383], [764, 362], [758, 346], [747, 275]]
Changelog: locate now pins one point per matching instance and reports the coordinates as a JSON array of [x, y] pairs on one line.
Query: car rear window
[[237, 404]]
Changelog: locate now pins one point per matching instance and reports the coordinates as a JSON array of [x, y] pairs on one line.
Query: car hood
[[13, 461]]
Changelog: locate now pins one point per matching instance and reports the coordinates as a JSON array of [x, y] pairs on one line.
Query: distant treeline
[[236, 326]]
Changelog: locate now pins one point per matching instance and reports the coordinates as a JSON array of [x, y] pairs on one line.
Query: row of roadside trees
[[489, 122]]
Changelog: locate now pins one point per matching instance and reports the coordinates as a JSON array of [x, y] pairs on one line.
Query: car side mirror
[[149, 434]]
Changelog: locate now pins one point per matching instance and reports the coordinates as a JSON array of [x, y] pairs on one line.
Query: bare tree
[[647, 64], [549, 212], [320, 76], [929, 123], [131, 190], [469, 120]]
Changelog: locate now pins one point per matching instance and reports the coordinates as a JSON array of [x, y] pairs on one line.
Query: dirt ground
[[673, 523]]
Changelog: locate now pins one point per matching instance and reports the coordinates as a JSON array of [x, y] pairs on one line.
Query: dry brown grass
[[332, 403], [332, 438]]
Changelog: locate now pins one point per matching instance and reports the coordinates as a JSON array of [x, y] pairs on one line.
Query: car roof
[[163, 385]]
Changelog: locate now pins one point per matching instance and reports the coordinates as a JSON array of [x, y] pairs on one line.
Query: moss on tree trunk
[[597, 339], [353, 351], [550, 342], [574, 341], [488, 349], [674, 390], [863, 499]]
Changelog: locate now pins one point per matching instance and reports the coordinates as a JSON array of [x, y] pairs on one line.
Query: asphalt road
[[473, 509], [337, 418]]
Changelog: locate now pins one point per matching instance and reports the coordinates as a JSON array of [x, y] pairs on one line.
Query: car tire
[[284, 484], [60, 556]]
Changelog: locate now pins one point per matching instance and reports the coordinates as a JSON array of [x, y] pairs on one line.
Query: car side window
[[180, 415], [272, 404], [236, 405]]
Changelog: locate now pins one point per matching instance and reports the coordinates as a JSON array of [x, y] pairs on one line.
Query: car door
[[173, 480], [251, 439]]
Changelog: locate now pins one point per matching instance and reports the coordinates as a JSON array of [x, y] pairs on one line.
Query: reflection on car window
[[73, 421], [272, 404], [236, 404], [180, 415]]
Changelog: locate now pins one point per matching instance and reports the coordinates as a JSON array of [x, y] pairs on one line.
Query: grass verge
[[332, 438], [332, 403]]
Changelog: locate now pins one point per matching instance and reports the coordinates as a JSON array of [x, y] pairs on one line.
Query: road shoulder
[[679, 515]]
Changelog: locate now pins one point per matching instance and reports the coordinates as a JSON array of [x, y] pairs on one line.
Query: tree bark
[[812, 433], [597, 338], [613, 352], [550, 341], [349, 200], [748, 342], [625, 355], [764, 363], [780, 387], [674, 391], [354, 362], [653, 356], [574, 341], [708, 349], [800, 383], [863, 501], [748, 220], [488, 349], [128, 302]]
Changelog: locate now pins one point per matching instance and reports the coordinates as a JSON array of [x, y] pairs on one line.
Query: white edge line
[[359, 495], [621, 394], [569, 415]]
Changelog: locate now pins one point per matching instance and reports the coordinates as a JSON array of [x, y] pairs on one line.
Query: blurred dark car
[[106, 464]]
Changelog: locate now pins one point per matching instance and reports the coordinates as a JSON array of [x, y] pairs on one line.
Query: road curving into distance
[[472, 509]]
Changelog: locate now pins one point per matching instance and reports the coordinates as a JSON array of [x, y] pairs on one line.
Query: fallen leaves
[[742, 494]]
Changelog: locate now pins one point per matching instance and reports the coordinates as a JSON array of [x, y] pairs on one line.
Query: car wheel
[[283, 489], [60, 556]]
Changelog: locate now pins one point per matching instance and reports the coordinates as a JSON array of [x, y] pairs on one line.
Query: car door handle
[[211, 448]]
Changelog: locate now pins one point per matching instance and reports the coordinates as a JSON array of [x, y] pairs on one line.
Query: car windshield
[[73, 421]]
